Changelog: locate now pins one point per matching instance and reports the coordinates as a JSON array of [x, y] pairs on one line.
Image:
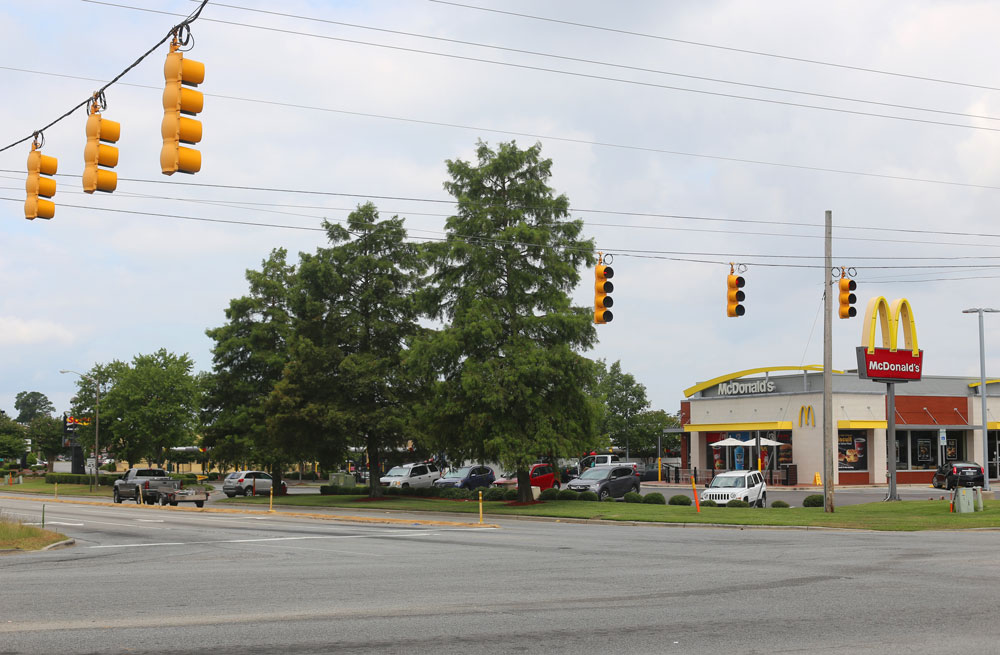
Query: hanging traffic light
[[847, 298], [97, 154], [602, 287], [178, 99], [38, 166], [734, 294]]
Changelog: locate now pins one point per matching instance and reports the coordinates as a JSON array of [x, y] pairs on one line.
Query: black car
[[958, 474]]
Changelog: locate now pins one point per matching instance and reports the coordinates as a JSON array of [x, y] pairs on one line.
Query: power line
[[174, 31], [582, 60], [557, 71], [549, 137], [722, 47]]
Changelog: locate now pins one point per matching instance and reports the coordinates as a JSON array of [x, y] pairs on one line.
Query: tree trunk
[[523, 486], [276, 479], [374, 465]]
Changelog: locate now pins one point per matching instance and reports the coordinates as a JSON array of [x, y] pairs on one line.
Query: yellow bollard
[[480, 507], [57, 489], [270, 499], [659, 469], [694, 489]]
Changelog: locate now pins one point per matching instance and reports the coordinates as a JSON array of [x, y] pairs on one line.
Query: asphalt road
[[152, 580]]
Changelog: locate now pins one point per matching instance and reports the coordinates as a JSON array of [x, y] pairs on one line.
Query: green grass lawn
[[16, 536], [40, 486], [906, 515]]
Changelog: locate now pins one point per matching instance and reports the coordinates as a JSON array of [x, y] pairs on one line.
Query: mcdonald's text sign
[[887, 365]]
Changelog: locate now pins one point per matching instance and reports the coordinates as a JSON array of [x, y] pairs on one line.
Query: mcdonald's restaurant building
[[938, 420]]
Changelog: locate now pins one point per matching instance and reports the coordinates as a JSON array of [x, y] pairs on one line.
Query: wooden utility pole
[[828, 368]]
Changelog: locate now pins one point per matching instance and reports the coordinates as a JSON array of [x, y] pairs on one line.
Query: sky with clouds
[[679, 140]]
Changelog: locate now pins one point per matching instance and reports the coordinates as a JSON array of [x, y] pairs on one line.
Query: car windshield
[[233, 475], [458, 473], [396, 472], [595, 474], [727, 481]]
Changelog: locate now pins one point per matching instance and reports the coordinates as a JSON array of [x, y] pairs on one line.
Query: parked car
[[958, 474], [652, 474], [467, 477], [248, 483], [411, 475], [607, 481], [748, 486], [542, 476], [143, 485]]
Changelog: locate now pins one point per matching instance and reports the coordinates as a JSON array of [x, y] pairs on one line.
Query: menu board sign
[[852, 451]]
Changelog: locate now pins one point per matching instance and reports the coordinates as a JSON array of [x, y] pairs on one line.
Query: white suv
[[736, 485], [411, 475]]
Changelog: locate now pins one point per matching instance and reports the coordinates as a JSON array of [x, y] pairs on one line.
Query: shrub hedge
[[549, 494], [680, 499], [655, 498], [493, 493], [568, 494], [510, 494], [813, 500], [633, 497], [710, 503], [588, 495], [76, 478], [736, 502], [779, 503]]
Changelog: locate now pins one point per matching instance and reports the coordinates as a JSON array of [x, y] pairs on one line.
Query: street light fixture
[[97, 422], [982, 389]]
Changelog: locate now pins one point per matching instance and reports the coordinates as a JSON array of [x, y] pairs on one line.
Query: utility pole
[[828, 367]]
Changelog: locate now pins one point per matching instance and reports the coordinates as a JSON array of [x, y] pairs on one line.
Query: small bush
[[588, 495], [493, 493], [549, 494], [633, 497], [453, 493], [779, 503], [609, 499], [431, 492], [813, 500], [326, 490], [75, 478], [568, 494], [736, 502], [655, 498], [710, 503], [680, 499], [510, 494]]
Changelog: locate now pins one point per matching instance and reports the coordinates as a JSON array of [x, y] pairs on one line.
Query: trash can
[[791, 474]]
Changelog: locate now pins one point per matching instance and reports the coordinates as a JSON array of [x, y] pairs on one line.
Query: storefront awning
[[737, 427], [861, 425]]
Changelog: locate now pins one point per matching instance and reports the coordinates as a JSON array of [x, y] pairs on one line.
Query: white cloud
[[32, 332]]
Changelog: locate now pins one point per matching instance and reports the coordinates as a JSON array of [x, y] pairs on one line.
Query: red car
[[542, 476]]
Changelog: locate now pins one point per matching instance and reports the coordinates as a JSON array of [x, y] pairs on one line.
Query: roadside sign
[[942, 436], [91, 465]]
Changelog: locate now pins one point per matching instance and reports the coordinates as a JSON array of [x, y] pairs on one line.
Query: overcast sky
[[335, 98]]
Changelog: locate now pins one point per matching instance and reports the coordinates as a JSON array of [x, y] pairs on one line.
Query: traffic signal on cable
[[97, 154], [39, 166], [179, 102], [735, 295], [847, 297], [602, 287]]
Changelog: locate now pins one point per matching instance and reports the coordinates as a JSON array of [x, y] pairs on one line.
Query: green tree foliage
[[648, 429], [509, 384], [623, 399], [46, 434], [250, 352], [354, 312], [12, 445], [151, 405], [30, 404], [84, 404]]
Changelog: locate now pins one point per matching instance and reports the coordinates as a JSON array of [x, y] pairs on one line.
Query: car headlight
[[394, 483]]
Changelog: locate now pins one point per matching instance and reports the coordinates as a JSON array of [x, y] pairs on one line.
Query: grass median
[[40, 486], [898, 516], [15, 536]]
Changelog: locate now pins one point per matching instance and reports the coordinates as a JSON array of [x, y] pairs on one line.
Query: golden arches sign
[[806, 412], [881, 312]]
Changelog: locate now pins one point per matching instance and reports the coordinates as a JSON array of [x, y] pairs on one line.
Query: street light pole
[[97, 423], [982, 390]]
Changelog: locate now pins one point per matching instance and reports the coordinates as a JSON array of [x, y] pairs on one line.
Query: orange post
[[480, 507], [694, 489]]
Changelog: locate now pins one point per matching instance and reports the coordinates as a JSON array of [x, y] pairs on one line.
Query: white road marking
[[149, 520], [265, 539]]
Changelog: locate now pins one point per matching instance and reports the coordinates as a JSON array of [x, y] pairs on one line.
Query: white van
[[736, 485], [411, 475]]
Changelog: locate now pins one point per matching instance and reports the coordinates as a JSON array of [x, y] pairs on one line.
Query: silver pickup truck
[[144, 485]]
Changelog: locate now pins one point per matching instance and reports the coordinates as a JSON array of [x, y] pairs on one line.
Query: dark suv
[[958, 474]]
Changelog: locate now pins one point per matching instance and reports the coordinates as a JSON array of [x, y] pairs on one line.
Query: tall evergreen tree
[[510, 380], [30, 404]]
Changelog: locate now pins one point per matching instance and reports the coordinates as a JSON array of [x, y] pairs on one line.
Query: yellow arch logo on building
[[889, 316], [806, 412]]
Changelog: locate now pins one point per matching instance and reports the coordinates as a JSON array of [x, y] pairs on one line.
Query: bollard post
[[480, 507], [270, 499], [694, 489], [57, 489], [43, 516], [659, 469]]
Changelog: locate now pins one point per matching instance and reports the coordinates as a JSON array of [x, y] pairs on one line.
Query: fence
[[781, 476]]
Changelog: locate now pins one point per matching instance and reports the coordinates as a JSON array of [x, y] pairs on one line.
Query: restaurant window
[[902, 451], [852, 450], [923, 450]]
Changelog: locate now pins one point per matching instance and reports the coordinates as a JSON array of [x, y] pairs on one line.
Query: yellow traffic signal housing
[[847, 298], [178, 99], [735, 295], [602, 287], [37, 185], [97, 154]]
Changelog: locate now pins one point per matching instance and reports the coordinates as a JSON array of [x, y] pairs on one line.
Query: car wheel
[[406, 484], [248, 491], [173, 503], [230, 495], [762, 501], [116, 496], [163, 501], [199, 503], [603, 494]]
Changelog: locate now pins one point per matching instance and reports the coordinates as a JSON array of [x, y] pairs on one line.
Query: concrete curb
[[60, 544], [310, 515]]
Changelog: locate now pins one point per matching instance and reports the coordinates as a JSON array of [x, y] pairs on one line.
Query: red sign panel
[[886, 365]]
